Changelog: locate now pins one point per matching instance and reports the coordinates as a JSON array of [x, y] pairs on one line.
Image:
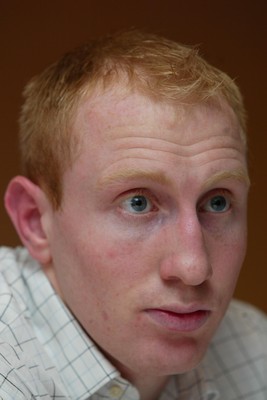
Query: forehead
[[121, 111], [125, 133]]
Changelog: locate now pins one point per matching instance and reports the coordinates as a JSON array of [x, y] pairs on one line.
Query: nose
[[186, 254]]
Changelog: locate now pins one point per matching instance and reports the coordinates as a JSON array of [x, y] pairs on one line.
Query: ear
[[28, 208]]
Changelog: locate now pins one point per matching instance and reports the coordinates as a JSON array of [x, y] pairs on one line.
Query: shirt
[[45, 354]]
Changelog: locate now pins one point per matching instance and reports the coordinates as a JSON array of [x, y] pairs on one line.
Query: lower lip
[[183, 322]]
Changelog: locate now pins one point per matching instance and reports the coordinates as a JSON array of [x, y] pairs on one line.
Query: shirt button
[[115, 391]]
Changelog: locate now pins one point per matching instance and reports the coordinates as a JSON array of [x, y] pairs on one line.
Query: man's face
[[149, 242]]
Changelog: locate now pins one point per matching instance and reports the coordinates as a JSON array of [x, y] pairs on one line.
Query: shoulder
[[13, 256], [26, 370], [243, 326], [16, 268], [245, 319], [14, 264], [14, 310], [238, 352]]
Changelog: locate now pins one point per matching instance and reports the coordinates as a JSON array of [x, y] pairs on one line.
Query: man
[[132, 211]]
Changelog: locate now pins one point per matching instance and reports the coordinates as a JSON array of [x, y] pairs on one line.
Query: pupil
[[139, 203], [218, 203]]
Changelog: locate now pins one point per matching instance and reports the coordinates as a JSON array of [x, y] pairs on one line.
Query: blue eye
[[217, 204], [137, 204]]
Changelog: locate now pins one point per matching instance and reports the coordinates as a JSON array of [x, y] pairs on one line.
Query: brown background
[[232, 35]]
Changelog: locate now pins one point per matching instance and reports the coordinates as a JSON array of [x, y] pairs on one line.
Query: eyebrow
[[159, 177], [239, 174], [132, 174]]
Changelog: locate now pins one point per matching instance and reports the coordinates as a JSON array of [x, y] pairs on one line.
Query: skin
[[113, 262]]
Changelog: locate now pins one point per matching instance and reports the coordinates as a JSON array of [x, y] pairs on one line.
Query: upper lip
[[180, 309]]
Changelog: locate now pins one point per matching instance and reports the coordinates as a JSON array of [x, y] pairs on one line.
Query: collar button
[[115, 391]]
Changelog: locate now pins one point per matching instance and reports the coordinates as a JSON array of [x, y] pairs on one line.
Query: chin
[[169, 360]]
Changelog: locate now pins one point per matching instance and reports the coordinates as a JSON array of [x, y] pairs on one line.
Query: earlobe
[[27, 206]]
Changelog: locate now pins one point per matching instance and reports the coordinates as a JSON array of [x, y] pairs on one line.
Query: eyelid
[[136, 192], [139, 192], [213, 193]]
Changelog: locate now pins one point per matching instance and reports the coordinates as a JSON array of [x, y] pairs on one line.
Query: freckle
[[105, 316], [111, 254]]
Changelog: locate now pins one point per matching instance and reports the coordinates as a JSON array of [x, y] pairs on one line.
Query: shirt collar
[[197, 384]]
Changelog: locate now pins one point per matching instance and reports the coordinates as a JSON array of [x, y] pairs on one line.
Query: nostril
[[192, 271]]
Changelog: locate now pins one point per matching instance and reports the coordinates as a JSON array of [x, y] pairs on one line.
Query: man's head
[[146, 237], [157, 67]]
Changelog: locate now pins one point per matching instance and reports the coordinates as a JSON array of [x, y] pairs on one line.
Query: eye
[[137, 204], [217, 204]]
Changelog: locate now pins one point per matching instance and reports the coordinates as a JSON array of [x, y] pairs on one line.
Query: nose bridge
[[186, 257]]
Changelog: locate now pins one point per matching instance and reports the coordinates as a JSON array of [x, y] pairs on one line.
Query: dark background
[[232, 35]]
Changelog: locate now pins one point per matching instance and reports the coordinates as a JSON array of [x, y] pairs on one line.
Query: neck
[[151, 390], [149, 387]]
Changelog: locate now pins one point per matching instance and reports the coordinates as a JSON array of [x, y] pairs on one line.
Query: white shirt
[[45, 354]]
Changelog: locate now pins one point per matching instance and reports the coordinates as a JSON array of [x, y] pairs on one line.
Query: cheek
[[228, 257], [106, 284], [121, 262]]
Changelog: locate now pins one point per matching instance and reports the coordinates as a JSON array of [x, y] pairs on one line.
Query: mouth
[[179, 321]]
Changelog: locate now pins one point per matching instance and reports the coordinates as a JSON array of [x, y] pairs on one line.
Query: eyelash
[[140, 192], [156, 205], [214, 193]]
